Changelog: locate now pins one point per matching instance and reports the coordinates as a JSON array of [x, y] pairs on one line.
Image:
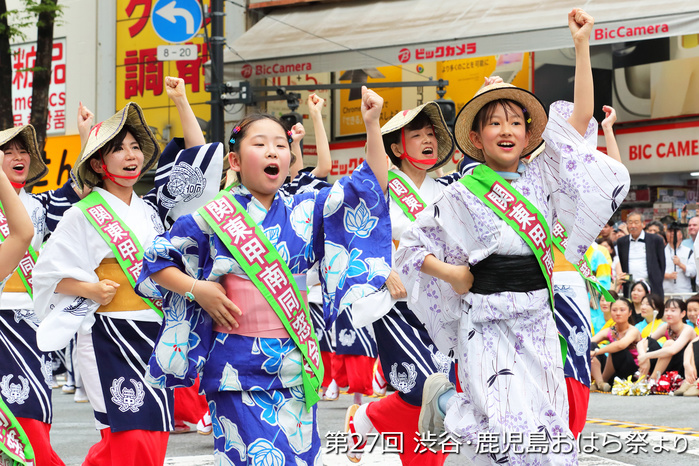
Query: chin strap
[[113, 177], [412, 160], [17, 185]]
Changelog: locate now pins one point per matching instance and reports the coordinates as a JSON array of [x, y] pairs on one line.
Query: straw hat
[[104, 132], [487, 94], [37, 167], [445, 141]]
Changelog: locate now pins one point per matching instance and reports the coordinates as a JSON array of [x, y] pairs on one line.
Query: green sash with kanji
[[560, 239], [121, 240], [26, 264], [15, 449], [405, 196], [521, 215], [261, 262]]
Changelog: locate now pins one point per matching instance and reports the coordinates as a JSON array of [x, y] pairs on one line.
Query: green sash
[[261, 262], [122, 241], [26, 265], [521, 215], [405, 196], [560, 239], [14, 444]]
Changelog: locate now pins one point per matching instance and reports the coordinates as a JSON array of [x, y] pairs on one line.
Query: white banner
[[23, 59], [315, 61], [666, 148]]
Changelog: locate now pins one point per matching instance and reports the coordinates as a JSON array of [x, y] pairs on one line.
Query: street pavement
[[648, 431]]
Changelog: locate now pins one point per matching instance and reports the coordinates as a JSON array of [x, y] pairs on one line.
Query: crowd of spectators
[[652, 327]]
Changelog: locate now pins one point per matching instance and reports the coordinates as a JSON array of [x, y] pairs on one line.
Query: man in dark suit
[[642, 254]]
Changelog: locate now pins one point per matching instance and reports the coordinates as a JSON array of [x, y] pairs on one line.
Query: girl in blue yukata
[[233, 324]]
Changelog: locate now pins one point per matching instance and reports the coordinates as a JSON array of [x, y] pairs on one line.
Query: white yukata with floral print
[[254, 385], [507, 346]]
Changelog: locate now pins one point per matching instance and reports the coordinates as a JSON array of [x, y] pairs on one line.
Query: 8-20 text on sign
[[177, 52]]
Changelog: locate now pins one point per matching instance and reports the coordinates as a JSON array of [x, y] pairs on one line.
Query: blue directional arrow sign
[[176, 20]]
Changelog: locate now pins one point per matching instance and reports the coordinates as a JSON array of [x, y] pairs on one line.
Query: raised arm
[[176, 91], [607, 128], [580, 25], [85, 120], [376, 157], [324, 162], [21, 228], [297, 134]]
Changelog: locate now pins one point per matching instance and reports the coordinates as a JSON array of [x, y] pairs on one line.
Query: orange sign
[[61, 154]]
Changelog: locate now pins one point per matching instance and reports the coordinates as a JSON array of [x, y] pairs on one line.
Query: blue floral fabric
[[346, 228]]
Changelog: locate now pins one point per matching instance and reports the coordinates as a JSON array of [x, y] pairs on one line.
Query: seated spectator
[[693, 312], [639, 290], [680, 266], [621, 360], [677, 334], [602, 317], [691, 367], [652, 312]]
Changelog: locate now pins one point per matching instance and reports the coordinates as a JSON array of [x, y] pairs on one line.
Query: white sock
[[362, 424]]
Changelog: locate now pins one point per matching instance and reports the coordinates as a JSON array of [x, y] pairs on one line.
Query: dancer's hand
[[211, 296], [395, 286], [102, 292], [460, 278]]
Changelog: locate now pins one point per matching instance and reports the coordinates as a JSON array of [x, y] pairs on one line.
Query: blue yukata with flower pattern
[[509, 358], [253, 384]]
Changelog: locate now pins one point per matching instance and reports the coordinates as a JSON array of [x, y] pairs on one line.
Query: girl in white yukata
[[86, 274], [17, 231], [236, 314], [26, 375], [496, 220]]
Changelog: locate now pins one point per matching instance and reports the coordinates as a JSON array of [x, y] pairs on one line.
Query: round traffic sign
[[176, 20]]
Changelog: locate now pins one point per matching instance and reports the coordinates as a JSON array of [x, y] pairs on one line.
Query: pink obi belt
[[258, 319]]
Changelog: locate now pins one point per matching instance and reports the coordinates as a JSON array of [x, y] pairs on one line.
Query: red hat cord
[[113, 177], [412, 160], [17, 185]]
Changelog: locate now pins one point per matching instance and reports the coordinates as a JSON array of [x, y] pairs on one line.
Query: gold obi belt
[[125, 298], [15, 284]]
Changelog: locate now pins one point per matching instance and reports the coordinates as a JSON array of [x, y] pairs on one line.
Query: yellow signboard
[[61, 154], [140, 76], [348, 115], [466, 76]]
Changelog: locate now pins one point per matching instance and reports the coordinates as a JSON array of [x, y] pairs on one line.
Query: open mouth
[[428, 151], [272, 170], [506, 145], [19, 167], [130, 169]]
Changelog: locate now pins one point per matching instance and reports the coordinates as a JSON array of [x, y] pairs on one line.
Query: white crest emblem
[[14, 392], [26, 314], [126, 398], [403, 381], [185, 183], [347, 337], [579, 341], [441, 361], [47, 370]]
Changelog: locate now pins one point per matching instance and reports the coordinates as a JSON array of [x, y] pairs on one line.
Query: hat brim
[[102, 133], [445, 141], [37, 167], [500, 91]]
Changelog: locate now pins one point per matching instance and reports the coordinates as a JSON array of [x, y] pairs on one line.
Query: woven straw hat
[[487, 94], [104, 132], [445, 141], [37, 167]]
